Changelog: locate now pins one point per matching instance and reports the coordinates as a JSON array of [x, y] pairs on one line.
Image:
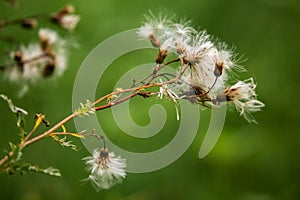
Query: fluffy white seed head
[[183, 29], [206, 66], [106, 169], [223, 57], [36, 61], [145, 31], [47, 35], [242, 90], [29, 71], [69, 22], [243, 95]]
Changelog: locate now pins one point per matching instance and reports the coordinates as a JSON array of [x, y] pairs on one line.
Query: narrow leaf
[[64, 128]]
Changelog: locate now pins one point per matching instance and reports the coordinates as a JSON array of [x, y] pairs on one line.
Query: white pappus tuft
[[243, 95], [106, 169], [69, 22]]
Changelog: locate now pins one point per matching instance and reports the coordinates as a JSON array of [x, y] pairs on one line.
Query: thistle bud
[[68, 9], [218, 69], [180, 48], [154, 41], [49, 68], [162, 54], [18, 57], [29, 23], [65, 18]]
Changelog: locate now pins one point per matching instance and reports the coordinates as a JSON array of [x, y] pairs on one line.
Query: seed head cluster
[[206, 68], [36, 61], [46, 56]]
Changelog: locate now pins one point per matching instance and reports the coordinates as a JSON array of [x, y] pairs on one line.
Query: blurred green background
[[249, 162]]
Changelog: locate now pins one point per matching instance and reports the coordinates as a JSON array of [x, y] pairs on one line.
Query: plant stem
[[3, 67], [26, 143], [136, 90], [47, 133]]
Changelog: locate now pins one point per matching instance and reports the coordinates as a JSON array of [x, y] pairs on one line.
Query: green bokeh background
[[249, 162]]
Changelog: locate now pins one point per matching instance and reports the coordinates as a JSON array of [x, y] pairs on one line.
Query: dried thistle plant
[[40, 59], [204, 72]]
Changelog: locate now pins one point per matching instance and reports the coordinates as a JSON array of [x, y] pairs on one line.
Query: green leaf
[[19, 112], [63, 141], [48, 171], [17, 152], [12, 107], [25, 168], [85, 109]]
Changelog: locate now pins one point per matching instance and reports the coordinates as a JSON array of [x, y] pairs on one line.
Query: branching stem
[[146, 83]]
